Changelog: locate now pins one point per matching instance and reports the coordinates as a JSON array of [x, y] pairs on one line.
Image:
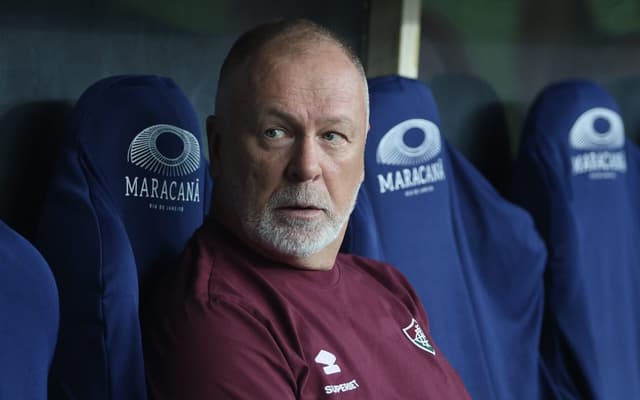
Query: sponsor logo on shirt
[[169, 183], [416, 335], [330, 367], [422, 166], [343, 387], [598, 136]]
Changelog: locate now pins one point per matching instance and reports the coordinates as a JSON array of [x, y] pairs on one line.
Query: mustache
[[300, 195]]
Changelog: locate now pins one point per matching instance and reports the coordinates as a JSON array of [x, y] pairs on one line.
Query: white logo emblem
[[416, 335], [600, 162], [419, 176], [144, 152], [585, 136], [329, 361], [392, 150]]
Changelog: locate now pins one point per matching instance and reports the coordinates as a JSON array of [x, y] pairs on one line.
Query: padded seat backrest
[[30, 315], [474, 259], [130, 188], [579, 176]]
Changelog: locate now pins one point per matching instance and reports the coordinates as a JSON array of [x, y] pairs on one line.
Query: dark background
[[50, 52], [485, 60]]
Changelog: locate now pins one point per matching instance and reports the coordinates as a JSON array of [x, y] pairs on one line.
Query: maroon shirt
[[230, 324]]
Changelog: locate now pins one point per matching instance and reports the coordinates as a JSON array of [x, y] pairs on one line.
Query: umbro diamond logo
[[329, 361], [416, 335]]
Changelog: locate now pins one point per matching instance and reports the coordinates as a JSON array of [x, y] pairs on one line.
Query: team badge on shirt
[[416, 335]]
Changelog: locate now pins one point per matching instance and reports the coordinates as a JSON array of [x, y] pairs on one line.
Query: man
[[261, 305]]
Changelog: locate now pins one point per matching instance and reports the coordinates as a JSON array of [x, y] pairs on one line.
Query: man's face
[[290, 154]]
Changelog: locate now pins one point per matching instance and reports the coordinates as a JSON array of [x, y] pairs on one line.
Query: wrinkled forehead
[[280, 68], [309, 54], [321, 68]]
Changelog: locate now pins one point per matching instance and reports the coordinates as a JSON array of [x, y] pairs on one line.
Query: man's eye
[[332, 136], [274, 133]]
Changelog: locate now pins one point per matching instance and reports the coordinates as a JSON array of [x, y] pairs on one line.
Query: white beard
[[295, 236]]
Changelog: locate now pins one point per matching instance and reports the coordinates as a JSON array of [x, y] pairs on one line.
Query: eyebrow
[[291, 119]]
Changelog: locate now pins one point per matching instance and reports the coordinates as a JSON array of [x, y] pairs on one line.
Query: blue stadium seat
[[130, 188], [579, 177], [30, 316], [475, 260]]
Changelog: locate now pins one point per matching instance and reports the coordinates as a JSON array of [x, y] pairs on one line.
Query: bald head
[[287, 142], [284, 38]]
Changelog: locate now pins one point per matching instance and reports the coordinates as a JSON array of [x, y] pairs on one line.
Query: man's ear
[[214, 137]]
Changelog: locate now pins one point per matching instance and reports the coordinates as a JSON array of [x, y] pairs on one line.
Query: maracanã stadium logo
[[597, 129], [144, 151], [392, 149]]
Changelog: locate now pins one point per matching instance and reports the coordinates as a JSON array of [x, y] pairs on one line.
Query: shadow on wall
[[596, 40], [473, 117], [626, 92], [31, 135], [118, 16], [474, 120]]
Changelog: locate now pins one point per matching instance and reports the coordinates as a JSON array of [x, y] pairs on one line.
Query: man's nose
[[304, 164]]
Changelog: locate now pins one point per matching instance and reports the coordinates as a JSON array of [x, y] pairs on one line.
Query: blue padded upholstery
[[580, 179], [30, 316], [474, 259], [130, 188]]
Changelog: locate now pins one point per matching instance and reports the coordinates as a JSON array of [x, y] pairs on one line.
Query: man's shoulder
[[205, 272], [218, 268], [382, 272], [198, 303]]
